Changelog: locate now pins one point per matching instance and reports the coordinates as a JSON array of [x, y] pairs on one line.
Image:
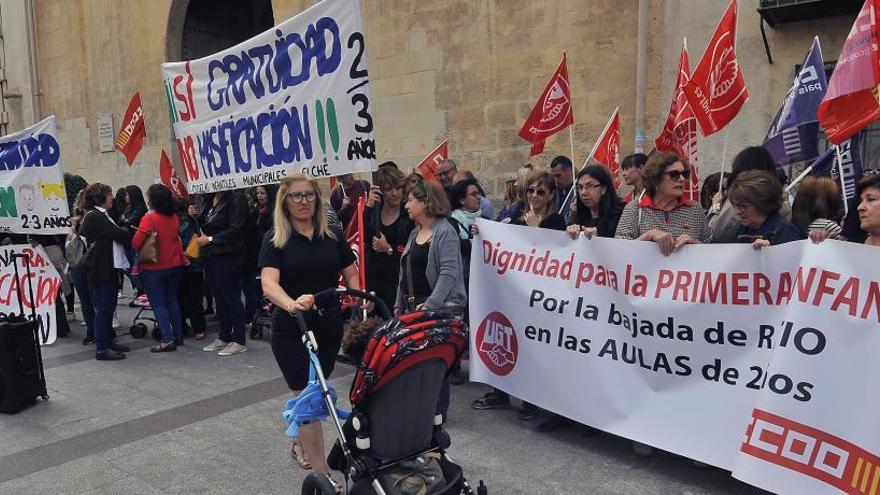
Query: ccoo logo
[[496, 344]]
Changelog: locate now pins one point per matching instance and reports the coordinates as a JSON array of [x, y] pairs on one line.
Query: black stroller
[[394, 394]]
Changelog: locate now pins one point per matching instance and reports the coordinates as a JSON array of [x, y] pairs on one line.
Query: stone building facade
[[466, 70]]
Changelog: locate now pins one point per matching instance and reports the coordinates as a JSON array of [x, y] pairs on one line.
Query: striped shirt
[[687, 218], [831, 226]]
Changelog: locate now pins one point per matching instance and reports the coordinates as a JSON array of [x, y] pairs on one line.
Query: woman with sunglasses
[[664, 215], [540, 199], [598, 207], [302, 256]]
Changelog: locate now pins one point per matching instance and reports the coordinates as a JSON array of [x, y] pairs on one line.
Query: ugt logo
[[496, 344]]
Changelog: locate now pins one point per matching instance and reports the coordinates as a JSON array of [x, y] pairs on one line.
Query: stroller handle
[[378, 303]]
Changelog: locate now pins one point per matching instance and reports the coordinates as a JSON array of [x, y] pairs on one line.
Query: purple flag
[[850, 166], [793, 135]]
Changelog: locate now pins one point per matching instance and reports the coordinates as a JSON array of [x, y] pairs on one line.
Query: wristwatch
[[210, 239]]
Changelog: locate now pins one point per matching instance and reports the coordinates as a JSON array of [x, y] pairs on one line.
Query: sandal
[[299, 455]]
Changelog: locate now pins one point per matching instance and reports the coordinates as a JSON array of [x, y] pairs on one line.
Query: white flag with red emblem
[[716, 90], [552, 113], [679, 134], [608, 147], [428, 167]]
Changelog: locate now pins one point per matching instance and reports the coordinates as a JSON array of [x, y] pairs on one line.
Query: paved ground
[[192, 422]]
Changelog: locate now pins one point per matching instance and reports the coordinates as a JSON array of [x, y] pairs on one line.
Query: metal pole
[[641, 75]]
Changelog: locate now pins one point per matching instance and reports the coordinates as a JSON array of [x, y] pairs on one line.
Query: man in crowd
[[564, 175], [344, 197], [632, 174]]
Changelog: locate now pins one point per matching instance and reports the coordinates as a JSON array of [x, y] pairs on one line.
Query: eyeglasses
[[539, 192], [677, 175], [299, 197], [588, 187]]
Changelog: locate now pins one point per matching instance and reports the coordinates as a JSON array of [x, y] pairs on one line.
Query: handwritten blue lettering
[[270, 67], [252, 143], [35, 151]]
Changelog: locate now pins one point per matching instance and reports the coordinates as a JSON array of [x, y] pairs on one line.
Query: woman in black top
[[105, 255], [387, 229], [222, 252], [598, 206], [301, 257], [540, 198]]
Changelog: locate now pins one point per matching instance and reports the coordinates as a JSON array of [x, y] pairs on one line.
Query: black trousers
[[189, 297]]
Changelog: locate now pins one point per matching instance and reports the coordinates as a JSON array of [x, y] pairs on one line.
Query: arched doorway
[[197, 28]]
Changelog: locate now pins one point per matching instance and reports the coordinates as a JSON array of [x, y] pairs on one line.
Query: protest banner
[[295, 98], [46, 284], [734, 357], [32, 195]]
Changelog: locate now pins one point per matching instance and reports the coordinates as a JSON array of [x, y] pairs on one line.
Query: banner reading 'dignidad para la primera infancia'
[[759, 362], [32, 194], [295, 98]]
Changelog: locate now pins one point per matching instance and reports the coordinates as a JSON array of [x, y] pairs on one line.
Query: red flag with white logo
[[716, 90], [552, 113], [428, 167], [679, 134], [168, 176], [608, 147], [851, 103], [131, 136]]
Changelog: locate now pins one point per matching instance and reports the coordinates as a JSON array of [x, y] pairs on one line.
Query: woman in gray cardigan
[[431, 267], [431, 273]]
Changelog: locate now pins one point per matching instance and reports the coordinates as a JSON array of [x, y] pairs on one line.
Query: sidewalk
[[192, 422]]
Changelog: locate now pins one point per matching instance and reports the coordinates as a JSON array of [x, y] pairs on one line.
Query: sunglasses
[[677, 175], [299, 197], [539, 192]]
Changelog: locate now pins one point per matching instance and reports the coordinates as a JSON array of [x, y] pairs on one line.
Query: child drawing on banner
[[27, 197], [53, 193]]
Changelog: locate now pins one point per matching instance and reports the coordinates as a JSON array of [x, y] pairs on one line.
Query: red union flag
[[131, 136], [608, 147], [169, 177], [552, 113], [850, 103], [716, 90], [679, 134], [428, 167]]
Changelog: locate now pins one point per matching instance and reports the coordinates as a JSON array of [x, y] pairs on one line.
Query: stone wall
[[468, 71]]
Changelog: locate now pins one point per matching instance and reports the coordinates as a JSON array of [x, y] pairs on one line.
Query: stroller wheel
[[256, 332], [317, 484], [138, 331]]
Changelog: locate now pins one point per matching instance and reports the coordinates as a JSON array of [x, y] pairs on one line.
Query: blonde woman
[[300, 257]]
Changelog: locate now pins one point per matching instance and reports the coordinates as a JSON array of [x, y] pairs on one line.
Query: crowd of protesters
[[234, 252]]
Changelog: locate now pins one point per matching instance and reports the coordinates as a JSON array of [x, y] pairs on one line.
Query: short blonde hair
[[283, 228]]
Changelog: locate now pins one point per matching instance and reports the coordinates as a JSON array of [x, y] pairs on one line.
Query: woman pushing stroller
[[299, 258]]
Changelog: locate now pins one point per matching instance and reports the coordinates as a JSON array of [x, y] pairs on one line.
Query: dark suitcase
[[22, 379]]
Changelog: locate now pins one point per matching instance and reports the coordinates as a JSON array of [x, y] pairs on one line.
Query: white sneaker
[[215, 346], [115, 323], [82, 323], [232, 348]]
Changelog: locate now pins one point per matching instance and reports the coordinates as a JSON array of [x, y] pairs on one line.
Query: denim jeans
[[103, 296], [81, 285], [224, 278], [161, 287]]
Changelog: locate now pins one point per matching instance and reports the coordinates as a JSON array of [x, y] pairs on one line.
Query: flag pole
[[723, 157], [592, 151], [799, 178], [842, 183], [571, 141]]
